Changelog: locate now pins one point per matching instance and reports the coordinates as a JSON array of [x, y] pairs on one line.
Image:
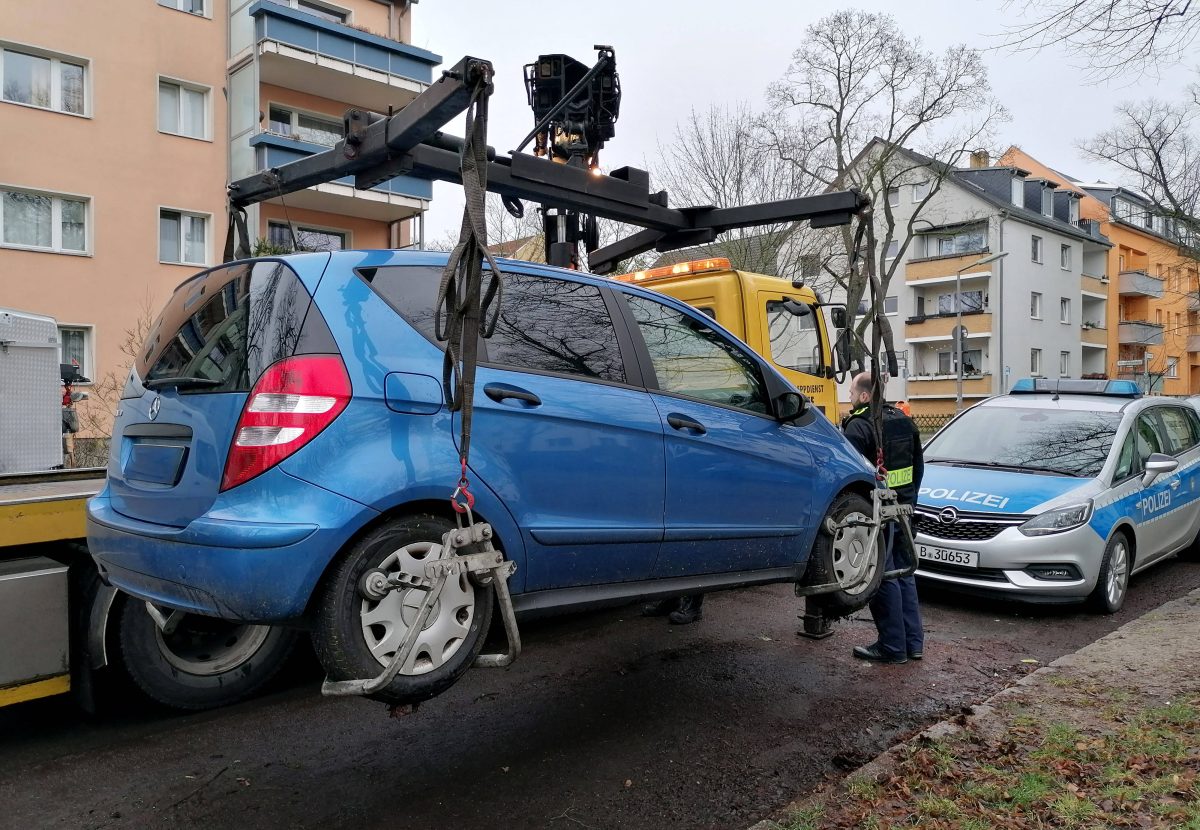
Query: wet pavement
[[608, 720]]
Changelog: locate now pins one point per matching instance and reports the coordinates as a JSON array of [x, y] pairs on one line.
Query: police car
[[1059, 491]]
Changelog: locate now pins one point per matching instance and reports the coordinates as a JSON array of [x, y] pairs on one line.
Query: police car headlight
[[1058, 520]]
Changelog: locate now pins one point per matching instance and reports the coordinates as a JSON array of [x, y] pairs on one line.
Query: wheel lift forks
[[487, 567]]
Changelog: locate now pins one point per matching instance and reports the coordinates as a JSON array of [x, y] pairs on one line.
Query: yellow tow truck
[[780, 320]]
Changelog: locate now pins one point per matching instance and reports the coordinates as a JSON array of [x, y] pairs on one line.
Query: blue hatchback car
[[284, 431]]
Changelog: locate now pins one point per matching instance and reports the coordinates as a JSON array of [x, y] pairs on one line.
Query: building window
[[1036, 249], [972, 362], [43, 221], [1064, 364], [1047, 202], [962, 242], [182, 109], [196, 7], [920, 190], [325, 11], [1064, 310], [1035, 361], [1172, 367], [891, 305], [1018, 191], [894, 196], [1123, 210], [44, 81], [302, 126], [1073, 209], [307, 239], [893, 248], [1064, 257], [1158, 316], [75, 348], [182, 237], [971, 301], [1035, 305]]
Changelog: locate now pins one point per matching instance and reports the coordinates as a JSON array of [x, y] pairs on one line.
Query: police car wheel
[[1113, 582], [844, 558], [355, 636]]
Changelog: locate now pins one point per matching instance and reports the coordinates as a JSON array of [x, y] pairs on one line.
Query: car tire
[[1112, 585], [204, 663], [844, 559], [352, 634]]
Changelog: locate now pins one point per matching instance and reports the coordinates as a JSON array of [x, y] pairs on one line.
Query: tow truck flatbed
[[46, 506]]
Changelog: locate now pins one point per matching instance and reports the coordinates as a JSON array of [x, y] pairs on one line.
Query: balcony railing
[[1139, 333], [1089, 226], [1139, 284]]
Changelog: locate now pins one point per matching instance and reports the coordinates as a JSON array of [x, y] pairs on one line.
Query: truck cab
[[781, 322]]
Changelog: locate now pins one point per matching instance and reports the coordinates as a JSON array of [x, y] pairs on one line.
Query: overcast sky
[[677, 55]]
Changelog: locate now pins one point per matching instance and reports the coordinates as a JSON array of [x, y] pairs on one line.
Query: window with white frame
[[1035, 305], [43, 80], [1073, 209], [1036, 249], [182, 109], [197, 7], [893, 248], [182, 237], [1064, 257], [303, 126], [920, 190], [960, 242], [1064, 364], [972, 362], [894, 196], [1047, 202], [325, 11], [970, 301], [1064, 310], [1035, 361], [891, 305], [1018, 191], [1172, 367], [307, 239], [75, 348], [43, 221]]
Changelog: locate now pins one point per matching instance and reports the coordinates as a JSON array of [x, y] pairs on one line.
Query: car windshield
[[1065, 441]]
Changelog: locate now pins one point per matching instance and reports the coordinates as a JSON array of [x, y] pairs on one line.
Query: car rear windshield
[[1070, 442], [227, 326]]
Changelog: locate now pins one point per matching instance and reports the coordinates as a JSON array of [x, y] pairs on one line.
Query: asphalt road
[[608, 720]]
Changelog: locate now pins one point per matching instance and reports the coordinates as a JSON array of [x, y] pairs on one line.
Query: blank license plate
[[949, 556]]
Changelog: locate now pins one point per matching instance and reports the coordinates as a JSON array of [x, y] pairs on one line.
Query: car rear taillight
[[292, 402]]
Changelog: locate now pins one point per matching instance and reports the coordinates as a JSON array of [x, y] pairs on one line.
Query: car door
[[567, 437], [1180, 442], [1152, 508], [737, 481]]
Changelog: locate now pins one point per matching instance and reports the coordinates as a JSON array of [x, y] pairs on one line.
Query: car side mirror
[[1158, 464], [789, 406]]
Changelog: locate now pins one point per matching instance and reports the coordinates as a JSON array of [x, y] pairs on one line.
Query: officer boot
[[690, 610]]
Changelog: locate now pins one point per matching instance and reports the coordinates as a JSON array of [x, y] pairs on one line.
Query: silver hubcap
[[1118, 572], [854, 562], [205, 646], [386, 622]]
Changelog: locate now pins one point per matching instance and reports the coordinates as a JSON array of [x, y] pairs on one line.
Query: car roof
[[1071, 403]]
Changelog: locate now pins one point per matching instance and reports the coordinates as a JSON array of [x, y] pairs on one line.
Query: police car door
[[1151, 512], [1180, 441]]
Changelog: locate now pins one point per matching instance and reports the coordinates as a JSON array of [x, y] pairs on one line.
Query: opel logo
[[155, 405], [948, 516]]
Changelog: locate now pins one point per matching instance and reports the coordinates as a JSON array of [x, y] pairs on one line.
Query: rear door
[[564, 432], [219, 330], [738, 482], [1179, 518]]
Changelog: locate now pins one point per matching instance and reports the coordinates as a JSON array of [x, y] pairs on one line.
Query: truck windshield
[[1070, 442], [795, 338]]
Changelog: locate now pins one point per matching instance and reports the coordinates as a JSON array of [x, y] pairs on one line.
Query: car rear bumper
[[246, 570]]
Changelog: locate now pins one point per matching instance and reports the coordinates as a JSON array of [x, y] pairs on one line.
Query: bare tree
[[863, 105], [1111, 36]]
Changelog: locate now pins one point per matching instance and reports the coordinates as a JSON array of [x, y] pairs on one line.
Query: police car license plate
[[949, 556]]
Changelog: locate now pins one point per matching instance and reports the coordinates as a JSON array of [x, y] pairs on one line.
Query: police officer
[[894, 608]]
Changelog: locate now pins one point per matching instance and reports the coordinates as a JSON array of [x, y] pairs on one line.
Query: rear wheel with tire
[[356, 637], [1113, 582], [845, 558], [203, 662]]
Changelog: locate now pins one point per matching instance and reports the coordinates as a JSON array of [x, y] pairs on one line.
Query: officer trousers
[[895, 609]]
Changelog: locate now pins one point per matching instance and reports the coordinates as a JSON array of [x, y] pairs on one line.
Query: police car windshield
[[1068, 442]]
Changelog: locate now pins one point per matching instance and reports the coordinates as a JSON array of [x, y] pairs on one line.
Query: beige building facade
[[121, 125]]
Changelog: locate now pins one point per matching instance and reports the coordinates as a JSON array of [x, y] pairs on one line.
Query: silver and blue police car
[[1059, 491]]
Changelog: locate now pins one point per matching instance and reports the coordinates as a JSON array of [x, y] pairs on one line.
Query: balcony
[[301, 51], [1093, 285], [1094, 337], [940, 326], [1139, 284], [946, 386], [394, 199], [943, 268], [1091, 227], [1139, 333], [1193, 301], [1193, 343]]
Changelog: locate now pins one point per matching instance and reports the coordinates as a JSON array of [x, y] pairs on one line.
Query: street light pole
[[958, 329]]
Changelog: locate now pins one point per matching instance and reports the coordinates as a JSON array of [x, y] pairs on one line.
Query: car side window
[[692, 359], [1148, 441], [1127, 461], [1177, 430], [1194, 422]]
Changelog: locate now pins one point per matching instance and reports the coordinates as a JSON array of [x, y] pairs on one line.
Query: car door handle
[[500, 393], [684, 422]]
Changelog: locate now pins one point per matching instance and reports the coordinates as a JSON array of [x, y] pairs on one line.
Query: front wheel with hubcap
[[356, 636], [1113, 582], [845, 557]]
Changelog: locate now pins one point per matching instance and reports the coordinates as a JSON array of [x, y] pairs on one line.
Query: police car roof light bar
[[1074, 386]]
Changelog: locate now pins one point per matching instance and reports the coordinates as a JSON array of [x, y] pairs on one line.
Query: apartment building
[[122, 123]]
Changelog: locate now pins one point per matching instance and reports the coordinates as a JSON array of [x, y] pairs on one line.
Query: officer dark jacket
[[902, 454]]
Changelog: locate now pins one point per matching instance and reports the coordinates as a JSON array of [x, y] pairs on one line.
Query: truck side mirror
[[838, 314]]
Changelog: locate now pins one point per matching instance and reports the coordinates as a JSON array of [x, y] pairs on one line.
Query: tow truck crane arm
[[408, 142]]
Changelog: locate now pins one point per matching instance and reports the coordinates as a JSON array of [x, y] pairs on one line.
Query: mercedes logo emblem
[[154, 407], [948, 516]]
